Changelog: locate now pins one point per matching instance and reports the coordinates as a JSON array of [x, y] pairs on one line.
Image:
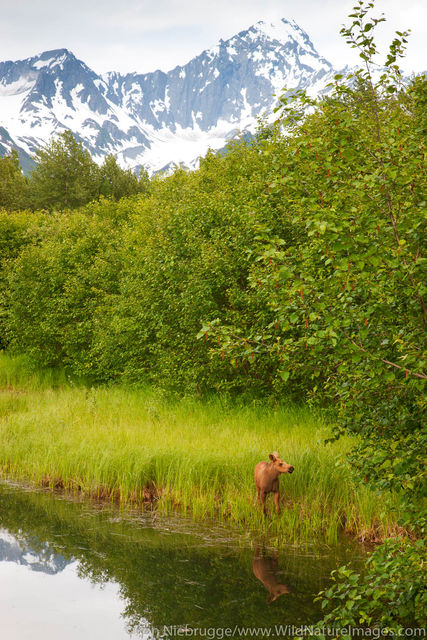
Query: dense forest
[[289, 267]]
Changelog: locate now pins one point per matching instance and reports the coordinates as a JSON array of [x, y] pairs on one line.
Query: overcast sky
[[144, 35]]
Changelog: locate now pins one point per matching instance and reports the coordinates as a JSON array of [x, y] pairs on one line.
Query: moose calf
[[267, 479]]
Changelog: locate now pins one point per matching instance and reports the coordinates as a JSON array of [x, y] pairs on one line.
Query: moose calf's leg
[[261, 500], [263, 496], [276, 501]]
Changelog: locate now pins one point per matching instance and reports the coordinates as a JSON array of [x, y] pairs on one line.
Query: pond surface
[[72, 570]]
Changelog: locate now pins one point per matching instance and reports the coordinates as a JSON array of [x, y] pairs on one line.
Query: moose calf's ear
[[273, 456]]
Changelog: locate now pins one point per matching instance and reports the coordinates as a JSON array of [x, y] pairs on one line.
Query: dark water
[[73, 570]]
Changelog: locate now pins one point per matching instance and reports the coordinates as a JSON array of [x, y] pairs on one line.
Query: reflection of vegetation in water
[[170, 572]]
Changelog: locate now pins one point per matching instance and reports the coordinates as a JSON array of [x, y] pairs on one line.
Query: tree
[[65, 175], [13, 184], [117, 183]]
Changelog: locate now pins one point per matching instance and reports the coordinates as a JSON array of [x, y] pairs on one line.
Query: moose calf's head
[[280, 465]]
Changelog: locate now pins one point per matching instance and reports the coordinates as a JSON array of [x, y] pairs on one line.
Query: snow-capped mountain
[[158, 118]]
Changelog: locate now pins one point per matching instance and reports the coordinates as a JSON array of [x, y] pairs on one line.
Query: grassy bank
[[198, 457]]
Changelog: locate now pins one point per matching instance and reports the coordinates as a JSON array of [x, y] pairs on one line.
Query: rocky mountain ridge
[[158, 119]]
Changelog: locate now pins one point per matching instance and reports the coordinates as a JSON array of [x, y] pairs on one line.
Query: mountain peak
[[282, 31], [53, 58], [55, 53], [156, 118]]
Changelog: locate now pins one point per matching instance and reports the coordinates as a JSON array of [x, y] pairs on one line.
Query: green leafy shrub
[[17, 230], [391, 594], [58, 284]]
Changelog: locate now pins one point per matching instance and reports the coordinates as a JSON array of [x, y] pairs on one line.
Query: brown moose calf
[[267, 479]]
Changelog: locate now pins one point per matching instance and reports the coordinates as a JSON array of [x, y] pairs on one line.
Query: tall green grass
[[195, 456], [19, 372]]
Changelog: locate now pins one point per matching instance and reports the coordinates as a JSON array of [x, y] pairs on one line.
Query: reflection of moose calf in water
[[265, 569], [267, 479]]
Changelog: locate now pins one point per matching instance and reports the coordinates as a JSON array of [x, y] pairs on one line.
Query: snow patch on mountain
[[158, 118]]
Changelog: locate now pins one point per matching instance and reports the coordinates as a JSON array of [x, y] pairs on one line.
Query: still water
[[72, 570]]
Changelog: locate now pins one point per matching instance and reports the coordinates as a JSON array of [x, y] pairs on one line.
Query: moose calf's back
[[265, 475]]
